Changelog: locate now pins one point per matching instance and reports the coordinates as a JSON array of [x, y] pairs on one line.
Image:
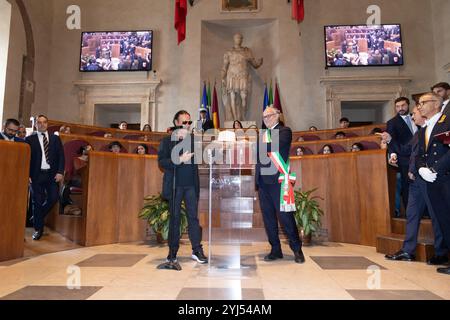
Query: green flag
[[271, 95]]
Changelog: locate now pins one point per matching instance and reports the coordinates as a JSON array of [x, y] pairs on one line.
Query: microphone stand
[[171, 264]]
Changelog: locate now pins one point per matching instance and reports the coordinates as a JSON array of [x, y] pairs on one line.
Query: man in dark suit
[[433, 163], [401, 128], [269, 187], [176, 157], [206, 123], [10, 130], [46, 172], [442, 89], [417, 205]]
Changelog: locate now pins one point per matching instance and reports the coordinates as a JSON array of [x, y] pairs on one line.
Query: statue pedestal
[[245, 124]]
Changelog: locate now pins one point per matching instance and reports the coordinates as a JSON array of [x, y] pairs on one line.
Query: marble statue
[[236, 80]]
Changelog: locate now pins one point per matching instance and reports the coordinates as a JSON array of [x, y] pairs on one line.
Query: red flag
[[277, 100], [180, 19], [215, 109], [298, 10]]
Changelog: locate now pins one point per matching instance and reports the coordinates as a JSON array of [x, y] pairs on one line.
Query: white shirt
[[445, 105], [414, 127], [274, 126], [430, 125], [44, 164], [6, 138]]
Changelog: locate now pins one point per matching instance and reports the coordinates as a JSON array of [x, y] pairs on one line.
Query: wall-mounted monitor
[[363, 46], [116, 51]]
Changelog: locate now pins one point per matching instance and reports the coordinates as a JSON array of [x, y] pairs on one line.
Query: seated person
[[344, 123], [300, 151], [115, 147], [82, 160], [313, 128], [147, 128], [108, 135], [357, 147], [300, 139], [142, 149], [22, 132], [68, 130], [237, 125], [339, 135], [327, 149], [123, 125], [375, 131]]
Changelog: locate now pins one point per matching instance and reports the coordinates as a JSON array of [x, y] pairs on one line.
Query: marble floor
[[128, 271]]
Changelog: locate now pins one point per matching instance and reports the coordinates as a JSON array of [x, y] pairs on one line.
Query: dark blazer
[[55, 153], [285, 134], [437, 156], [15, 139], [447, 110], [209, 124], [165, 162], [401, 136]]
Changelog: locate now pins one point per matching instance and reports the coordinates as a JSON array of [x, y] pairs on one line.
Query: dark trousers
[[439, 193], [44, 195], [269, 199], [417, 205], [405, 184], [189, 196]]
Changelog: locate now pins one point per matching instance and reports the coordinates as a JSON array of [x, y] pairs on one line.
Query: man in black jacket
[[270, 188], [10, 130], [433, 163], [401, 128], [176, 157], [46, 171], [206, 123]]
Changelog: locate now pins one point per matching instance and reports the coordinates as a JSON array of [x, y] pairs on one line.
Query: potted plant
[[156, 212], [308, 214]]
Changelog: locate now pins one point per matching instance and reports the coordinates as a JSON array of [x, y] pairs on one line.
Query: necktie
[[45, 141], [427, 139], [408, 122]]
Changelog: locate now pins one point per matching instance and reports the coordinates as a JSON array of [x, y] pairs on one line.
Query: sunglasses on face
[[186, 122]]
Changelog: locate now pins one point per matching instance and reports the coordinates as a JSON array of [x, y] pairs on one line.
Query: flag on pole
[[204, 105], [270, 94], [266, 99], [209, 98], [277, 100], [215, 109], [180, 19], [298, 10]]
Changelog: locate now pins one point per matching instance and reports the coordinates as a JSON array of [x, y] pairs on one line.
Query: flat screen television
[[363, 46], [116, 51]]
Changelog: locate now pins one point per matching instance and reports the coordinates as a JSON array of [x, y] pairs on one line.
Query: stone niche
[[357, 88], [261, 36], [121, 92]]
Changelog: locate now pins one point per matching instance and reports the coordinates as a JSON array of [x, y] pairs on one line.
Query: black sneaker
[[199, 257], [172, 257]]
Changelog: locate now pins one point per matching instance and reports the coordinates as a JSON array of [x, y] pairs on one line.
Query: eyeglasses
[[422, 103], [11, 130], [186, 122], [269, 116]]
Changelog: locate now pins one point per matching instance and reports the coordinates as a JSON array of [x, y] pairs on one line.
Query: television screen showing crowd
[[116, 51], [352, 46]]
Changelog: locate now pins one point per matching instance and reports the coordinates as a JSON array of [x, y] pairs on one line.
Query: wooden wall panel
[[14, 173]]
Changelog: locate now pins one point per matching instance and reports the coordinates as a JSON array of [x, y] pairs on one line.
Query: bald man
[[270, 188]]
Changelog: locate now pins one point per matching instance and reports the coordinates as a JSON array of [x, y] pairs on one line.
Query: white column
[[5, 22]]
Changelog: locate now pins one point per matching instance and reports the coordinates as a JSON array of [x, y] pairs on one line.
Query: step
[[398, 226], [389, 244]]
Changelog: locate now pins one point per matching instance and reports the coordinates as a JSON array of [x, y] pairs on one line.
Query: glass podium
[[227, 196]]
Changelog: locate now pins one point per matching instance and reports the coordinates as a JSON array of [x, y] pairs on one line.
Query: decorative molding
[[356, 88], [143, 92]]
